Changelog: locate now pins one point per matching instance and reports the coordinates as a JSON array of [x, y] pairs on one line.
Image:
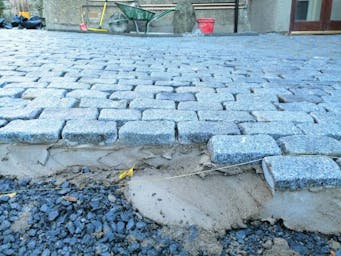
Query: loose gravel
[[47, 217]]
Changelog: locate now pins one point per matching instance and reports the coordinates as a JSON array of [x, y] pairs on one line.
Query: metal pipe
[[236, 15]]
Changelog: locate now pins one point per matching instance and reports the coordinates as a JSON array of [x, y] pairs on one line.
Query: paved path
[[91, 88]]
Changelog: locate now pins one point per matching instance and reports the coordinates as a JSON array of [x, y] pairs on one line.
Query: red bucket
[[206, 25]]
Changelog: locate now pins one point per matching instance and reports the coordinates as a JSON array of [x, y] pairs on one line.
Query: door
[[315, 15]]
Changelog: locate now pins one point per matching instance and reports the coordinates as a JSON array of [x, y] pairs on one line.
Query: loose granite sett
[[214, 97], [327, 118], [282, 116], [69, 113], [2, 122], [13, 102], [305, 144], [153, 88], [201, 131], [300, 106], [234, 149], [195, 106], [274, 129], [130, 95], [36, 131], [87, 94], [299, 98], [245, 105], [300, 172], [90, 131], [147, 133]]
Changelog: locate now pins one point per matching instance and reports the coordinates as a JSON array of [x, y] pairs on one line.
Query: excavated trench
[[173, 185]]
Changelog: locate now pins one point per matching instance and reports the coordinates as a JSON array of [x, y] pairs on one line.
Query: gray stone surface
[[246, 105], [143, 104], [2, 122], [87, 94], [300, 106], [195, 106], [314, 145], [327, 118], [169, 114], [214, 97], [13, 102], [102, 103], [53, 102], [19, 113], [325, 129], [282, 116], [31, 131], [130, 95], [201, 131], [234, 149], [274, 129], [147, 132], [11, 92], [300, 172], [288, 98], [90, 132], [229, 116], [120, 115], [43, 92], [153, 88], [69, 113], [175, 96]]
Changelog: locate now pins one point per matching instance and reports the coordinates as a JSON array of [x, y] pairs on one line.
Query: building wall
[[35, 8], [270, 15], [66, 14]]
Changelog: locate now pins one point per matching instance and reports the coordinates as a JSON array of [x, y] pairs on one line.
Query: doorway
[[315, 15]]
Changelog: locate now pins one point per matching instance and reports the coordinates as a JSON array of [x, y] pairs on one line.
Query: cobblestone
[[170, 115], [195, 106], [13, 113], [2, 122], [120, 115], [325, 129], [53, 102], [201, 132], [69, 113], [102, 103], [143, 104], [90, 131], [299, 172], [130, 95], [229, 116], [87, 94], [11, 92], [175, 96], [282, 116], [147, 132], [229, 149], [38, 93], [310, 145], [31, 131], [274, 129]]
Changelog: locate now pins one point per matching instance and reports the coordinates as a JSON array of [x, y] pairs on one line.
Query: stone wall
[[35, 8]]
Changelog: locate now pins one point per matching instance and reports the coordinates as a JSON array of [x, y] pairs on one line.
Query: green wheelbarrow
[[134, 14]]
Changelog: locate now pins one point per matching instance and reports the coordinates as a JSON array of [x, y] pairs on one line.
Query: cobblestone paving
[[95, 88]]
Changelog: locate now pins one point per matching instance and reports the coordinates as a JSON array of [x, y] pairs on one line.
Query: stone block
[[287, 98], [87, 94], [194, 89], [53, 102], [235, 149], [147, 132], [143, 104], [120, 115], [175, 96], [169, 114], [31, 131], [195, 106], [130, 95], [310, 145], [214, 97], [69, 113], [243, 105], [300, 172], [201, 131], [13, 102], [11, 92], [300, 106], [327, 118], [102, 103], [69, 85], [111, 87], [274, 129], [90, 132], [2, 123], [43, 92], [19, 113], [153, 88], [325, 129], [283, 116], [228, 116]]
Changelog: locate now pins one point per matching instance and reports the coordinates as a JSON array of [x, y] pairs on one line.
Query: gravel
[[63, 219]]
